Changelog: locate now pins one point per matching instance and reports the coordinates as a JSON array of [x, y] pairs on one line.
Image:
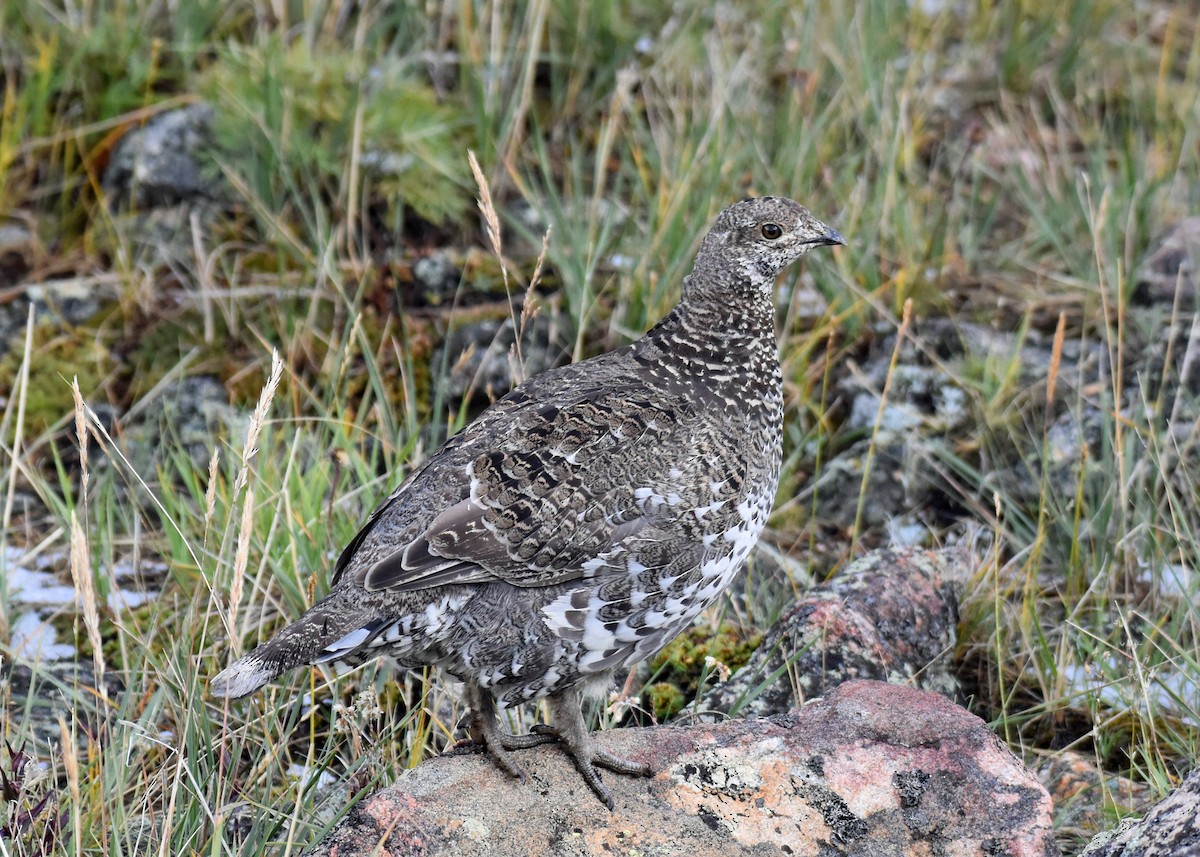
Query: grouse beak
[[831, 238]]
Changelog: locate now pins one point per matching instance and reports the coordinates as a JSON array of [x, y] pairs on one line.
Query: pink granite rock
[[890, 615], [872, 769]]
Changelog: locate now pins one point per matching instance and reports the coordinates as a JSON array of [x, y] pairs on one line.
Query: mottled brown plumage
[[583, 520]]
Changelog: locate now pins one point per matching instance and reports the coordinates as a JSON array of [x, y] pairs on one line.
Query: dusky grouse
[[583, 520]]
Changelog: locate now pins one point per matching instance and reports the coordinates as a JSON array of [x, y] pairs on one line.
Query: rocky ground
[[891, 616], [870, 769]]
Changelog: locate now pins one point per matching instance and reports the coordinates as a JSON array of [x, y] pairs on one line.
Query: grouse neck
[[712, 343], [737, 321]]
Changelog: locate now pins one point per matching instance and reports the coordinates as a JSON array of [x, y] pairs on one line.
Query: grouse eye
[[772, 231]]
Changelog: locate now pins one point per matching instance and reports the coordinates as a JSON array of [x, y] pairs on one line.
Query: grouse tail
[[307, 640]]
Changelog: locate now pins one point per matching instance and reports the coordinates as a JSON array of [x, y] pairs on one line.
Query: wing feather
[[549, 494]]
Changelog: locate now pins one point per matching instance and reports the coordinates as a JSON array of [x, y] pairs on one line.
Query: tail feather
[[345, 648], [242, 678], [301, 642]]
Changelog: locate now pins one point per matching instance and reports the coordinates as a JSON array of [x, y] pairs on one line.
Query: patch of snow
[[41, 560], [124, 569], [1166, 691], [34, 639], [905, 532], [38, 588], [951, 403], [305, 774], [1179, 582], [933, 8], [896, 417], [124, 599]]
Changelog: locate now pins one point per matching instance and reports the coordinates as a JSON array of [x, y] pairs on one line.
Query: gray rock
[[840, 485], [529, 218], [1173, 266], [479, 357], [391, 164], [165, 235], [1171, 829], [905, 531], [872, 769], [38, 690], [141, 835], [927, 421], [891, 615], [62, 303], [15, 238], [165, 161], [959, 85], [192, 415], [910, 430], [920, 396], [806, 305], [17, 249], [166, 186], [71, 302], [436, 279], [1071, 433]]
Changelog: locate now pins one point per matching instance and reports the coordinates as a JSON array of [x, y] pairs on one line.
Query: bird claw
[[523, 742], [569, 731], [499, 743], [587, 769], [469, 746], [485, 732], [464, 747], [620, 765], [588, 758], [504, 760]]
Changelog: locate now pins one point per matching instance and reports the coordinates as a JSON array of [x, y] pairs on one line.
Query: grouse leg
[[572, 732], [486, 732]]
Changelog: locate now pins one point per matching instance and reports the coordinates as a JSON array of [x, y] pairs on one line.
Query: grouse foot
[[486, 732], [572, 734], [568, 730]]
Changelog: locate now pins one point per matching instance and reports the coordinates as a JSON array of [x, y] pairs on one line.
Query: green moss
[[681, 664], [57, 357], [161, 343], [289, 116], [663, 699]]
